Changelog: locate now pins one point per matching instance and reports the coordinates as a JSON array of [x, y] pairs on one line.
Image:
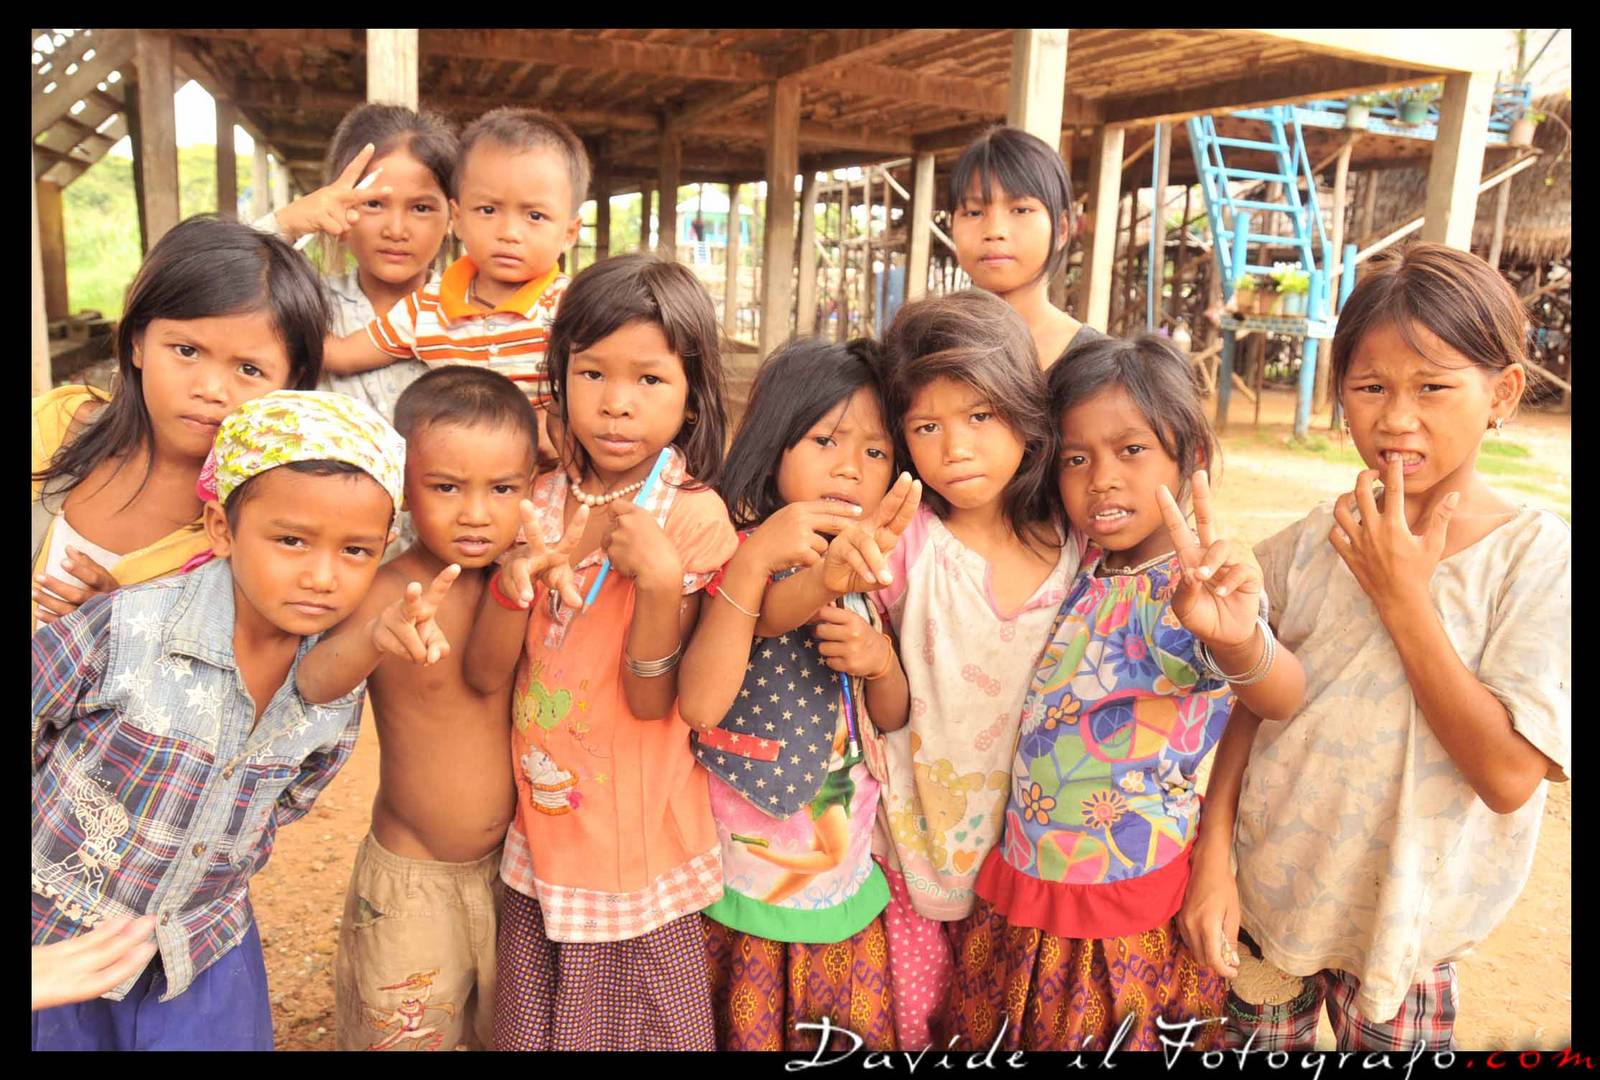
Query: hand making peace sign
[[1386, 557], [332, 209], [797, 534], [1218, 599], [406, 628], [534, 560], [855, 561]]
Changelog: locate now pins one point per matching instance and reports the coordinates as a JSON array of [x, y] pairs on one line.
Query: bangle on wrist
[[501, 598], [888, 665], [653, 669], [1258, 671], [740, 608]]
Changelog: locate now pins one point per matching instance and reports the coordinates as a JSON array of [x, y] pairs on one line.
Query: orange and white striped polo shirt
[[438, 325]]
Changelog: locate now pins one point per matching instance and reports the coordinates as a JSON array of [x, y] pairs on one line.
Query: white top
[[1361, 847], [64, 534], [968, 666]]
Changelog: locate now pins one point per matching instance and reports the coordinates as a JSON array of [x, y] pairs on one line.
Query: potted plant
[[1521, 133], [1244, 295], [1294, 288], [1412, 103], [1358, 110]]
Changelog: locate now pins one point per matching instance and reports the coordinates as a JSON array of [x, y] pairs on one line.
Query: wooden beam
[[392, 67], [1369, 199], [227, 166], [1038, 82], [732, 253], [1158, 223], [157, 132], [1100, 224], [877, 80], [112, 49], [919, 228], [1457, 163], [842, 297], [1271, 86], [671, 176], [1440, 50], [1502, 203], [856, 137], [39, 365], [1341, 187], [260, 184], [645, 193], [783, 161], [842, 47], [52, 249], [300, 98], [602, 203], [805, 305]]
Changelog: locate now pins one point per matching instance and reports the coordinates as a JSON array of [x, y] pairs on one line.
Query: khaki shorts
[[415, 969]]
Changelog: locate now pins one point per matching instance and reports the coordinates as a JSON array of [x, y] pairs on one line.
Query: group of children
[[889, 711]]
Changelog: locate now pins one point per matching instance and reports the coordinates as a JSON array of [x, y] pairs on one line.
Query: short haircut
[[1463, 301], [1160, 381], [976, 338], [796, 386], [321, 467], [623, 289], [521, 129], [1023, 165], [464, 395], [426, 136]]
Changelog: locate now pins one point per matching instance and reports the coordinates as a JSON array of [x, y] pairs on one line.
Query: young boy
[[170, 742], [519, 182], [416, 959]]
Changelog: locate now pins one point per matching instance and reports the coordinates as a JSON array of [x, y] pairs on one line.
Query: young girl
[[394, 227], [1074, 933], [796, 761], [613, 852], [1437, 615], [1013, 222], [218, 314]]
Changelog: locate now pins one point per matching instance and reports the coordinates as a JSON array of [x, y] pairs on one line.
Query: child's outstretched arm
[[1209, 919], [499, 630], [385, 624], [663, 617], [850, 646], [355, 353], [854, 563], [1218, 600], [1393, 566], [714, 660]]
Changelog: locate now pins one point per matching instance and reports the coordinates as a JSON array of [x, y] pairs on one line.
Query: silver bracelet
[[653, 669], [1258, 671], [740, 608]]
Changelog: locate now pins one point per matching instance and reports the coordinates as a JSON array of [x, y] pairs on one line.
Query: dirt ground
[[1516, 989]]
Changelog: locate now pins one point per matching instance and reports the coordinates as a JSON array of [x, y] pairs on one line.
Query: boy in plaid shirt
[[169, 742]]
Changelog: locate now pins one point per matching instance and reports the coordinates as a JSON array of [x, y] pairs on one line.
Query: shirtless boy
[[416, 955]]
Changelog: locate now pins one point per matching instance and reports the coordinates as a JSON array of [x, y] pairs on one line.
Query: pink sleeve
[[903, 558]]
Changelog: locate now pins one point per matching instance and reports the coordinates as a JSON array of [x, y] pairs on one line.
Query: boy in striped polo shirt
[[520, 179]]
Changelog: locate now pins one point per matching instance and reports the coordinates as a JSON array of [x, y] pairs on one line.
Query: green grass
[[1503, 448]]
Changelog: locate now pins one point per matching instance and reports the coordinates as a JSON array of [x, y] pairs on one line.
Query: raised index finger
[[1183, 537], [357, 165], [1394, 490], [908, 506], [441, 585], [1204, 522], [574, 533]]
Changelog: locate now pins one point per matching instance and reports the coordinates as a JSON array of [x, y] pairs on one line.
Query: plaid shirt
[[154, 789]]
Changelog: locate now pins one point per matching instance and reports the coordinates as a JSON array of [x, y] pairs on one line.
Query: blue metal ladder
[[1230, 218]]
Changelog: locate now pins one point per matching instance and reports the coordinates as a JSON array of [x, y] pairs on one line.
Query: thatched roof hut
[[1539, 221]]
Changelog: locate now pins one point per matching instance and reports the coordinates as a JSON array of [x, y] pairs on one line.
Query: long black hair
[[1023, 165], [797, 385], [426, 136], [623, 289], [203, 268]]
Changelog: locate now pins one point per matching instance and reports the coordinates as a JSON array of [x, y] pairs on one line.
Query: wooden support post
[[1369, 199], [644, 217], [805, 303], [602, 205], [392, 67], [130, 95], [260, 183], [158, 133], [1158, 225], [880, 295], [730, 296], [920, 229], [52, 249], [1182, 264], [1038, 82], [40, 366], [671, 173], [1100, 224], [1130, 263], [281, 195], [868, 279], [1457, 164], [1502, 203], [783, 162], [1341, 185], [227, 164], [843, 295]]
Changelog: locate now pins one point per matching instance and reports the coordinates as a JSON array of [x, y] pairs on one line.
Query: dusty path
[[1516, 989]]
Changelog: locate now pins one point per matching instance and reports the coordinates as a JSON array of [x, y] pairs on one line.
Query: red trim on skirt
[[1066, 910]]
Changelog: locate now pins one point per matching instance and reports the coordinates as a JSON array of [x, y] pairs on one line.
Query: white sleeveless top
[[64, 534]]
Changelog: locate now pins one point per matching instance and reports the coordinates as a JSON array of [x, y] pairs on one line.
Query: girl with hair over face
[[788, 722], [1074, 934], [1433, 617], [1012, 227], [218, 314], [612, 853]]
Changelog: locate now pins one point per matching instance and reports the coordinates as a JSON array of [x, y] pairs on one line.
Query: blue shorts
[[225, 1008]]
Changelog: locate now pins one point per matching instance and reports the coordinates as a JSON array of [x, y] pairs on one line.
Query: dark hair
[[976, 338], [796, 386], [426, 136], [320, 467], [463, 394], [526, 129], [1159, 380], [1454, 294], [203, 268], [614, 292], [1023, 165]]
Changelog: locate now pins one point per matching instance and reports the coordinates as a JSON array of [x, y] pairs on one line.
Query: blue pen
[[638, 500], [849, 709]]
